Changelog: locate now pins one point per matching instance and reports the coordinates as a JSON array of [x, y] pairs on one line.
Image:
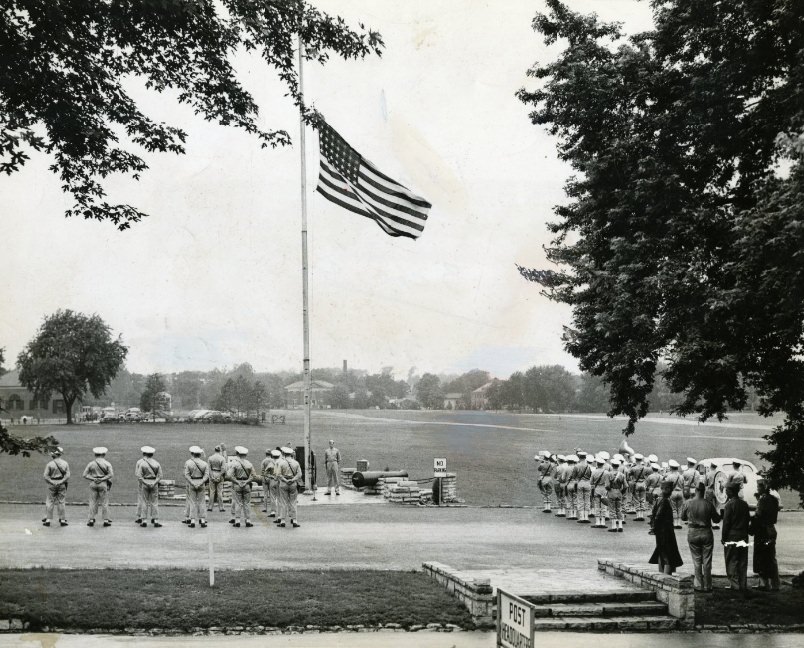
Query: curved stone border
[[748, 628]]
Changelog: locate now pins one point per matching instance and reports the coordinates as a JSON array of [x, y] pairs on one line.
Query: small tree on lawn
[[72, 354]]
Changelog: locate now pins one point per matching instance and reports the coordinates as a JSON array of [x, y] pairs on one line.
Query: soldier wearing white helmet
[[636, 477], [690, 477], [99, 472], [149, 474], [584, 473], [57, 476], [709, 481], [615, 486], [241, 474], [196, 474], [653, 489], [572, 488], [677, 496], [560, 480], [290, 476], [545, 471], [598, 481]]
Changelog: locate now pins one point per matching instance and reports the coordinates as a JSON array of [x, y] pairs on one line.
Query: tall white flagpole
[[305, 304]]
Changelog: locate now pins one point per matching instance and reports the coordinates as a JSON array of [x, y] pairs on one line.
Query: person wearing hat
[[217, 471], [272, 483], [615, 488], [332, 462], [149, 474], [57, 476], [709, 482], [241, 474], [653, 490], [666, 554], [572, 488], [637, 475], [677, 497], [560, 479], [583, 472], [690, 478], [196, 474], [598, 481], [290, 475], [737, 476], [734, 537], [544, 480], [700, 513], [763, 528], [99, 473], [266, 467]]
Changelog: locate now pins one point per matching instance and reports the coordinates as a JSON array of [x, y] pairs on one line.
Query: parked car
[[723, 470], [134, 415]]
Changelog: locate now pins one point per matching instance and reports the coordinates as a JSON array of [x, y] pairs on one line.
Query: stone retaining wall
[[477, 594], [676, 591]]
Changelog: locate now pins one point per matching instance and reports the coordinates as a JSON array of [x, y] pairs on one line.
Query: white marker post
[[439, 471], [211, 561]]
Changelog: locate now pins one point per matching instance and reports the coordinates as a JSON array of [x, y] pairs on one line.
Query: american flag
[[348, 179]]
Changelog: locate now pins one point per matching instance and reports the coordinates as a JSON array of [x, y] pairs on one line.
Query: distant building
[[320, 393], [163, 402], [480, 396], [19, 402], [453, 400]]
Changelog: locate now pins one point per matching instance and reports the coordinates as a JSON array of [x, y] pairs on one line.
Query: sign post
[[514, 621], [439, 471]]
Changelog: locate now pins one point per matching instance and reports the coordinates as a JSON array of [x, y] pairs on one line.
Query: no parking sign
[[440, 467]]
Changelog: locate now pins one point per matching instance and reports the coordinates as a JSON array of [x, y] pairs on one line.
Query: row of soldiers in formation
[[608, 487], [281, 476]]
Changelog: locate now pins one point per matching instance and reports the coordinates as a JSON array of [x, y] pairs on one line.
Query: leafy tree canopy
[[73, 355], [683, 231], [63, 67], [153, 386]]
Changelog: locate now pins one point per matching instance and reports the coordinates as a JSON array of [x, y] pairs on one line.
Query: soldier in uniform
[[737, 477], [545, 471], [636, 477], [615, 487], [690, 478], [584, 473], [217, 471], [677, 496], [572, 487], [196, 474], [57, 476], [332, 462], [561, 485], [149, 474], [653, 490], [709, 482], [273, 483], [290, 475], [99, 473], [265, 470], [598, 481], [241, 474]]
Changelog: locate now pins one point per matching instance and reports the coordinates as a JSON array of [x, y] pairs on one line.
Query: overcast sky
[[213, 276]]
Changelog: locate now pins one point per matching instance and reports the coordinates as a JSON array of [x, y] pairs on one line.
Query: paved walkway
[[405, 640]]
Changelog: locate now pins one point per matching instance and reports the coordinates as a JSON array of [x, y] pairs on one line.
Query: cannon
[[370, 477]]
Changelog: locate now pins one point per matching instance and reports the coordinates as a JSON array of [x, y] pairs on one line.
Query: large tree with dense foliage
[[72, 354], [154, 385], [683, 234], [64, 65]]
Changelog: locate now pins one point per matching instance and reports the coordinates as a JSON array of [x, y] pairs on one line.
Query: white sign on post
[[440, 467], [514, 621]]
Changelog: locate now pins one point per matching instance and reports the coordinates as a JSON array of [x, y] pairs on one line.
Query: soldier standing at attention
[[636, 477], [561, 486], [677, 496], [615, 487], [149, 474], [196, 473], [273, 483], [332, 462], [584, 472], [598, 481], [690, 479], [653, 490], [737, 477], [265, 470], [710, 487], [572, 487], [241, 474], [289, 475], [545, 478], [57, 474], [99, 473], [217, 471]]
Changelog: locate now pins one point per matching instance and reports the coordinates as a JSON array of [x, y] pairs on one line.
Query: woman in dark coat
[[666, 553], [763, 528]]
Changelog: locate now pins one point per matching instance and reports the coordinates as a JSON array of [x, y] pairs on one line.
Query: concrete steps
[[632, 611]]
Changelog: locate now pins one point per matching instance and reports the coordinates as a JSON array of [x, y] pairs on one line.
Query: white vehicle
[[722, 472]]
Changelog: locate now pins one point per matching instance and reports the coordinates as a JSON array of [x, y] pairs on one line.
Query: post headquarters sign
[[514, 621]]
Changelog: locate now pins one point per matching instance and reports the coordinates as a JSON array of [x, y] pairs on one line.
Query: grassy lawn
[[727, 607], [492, 453], [181, 599]]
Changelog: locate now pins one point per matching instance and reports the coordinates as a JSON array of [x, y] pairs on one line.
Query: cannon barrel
[[370, 477]]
